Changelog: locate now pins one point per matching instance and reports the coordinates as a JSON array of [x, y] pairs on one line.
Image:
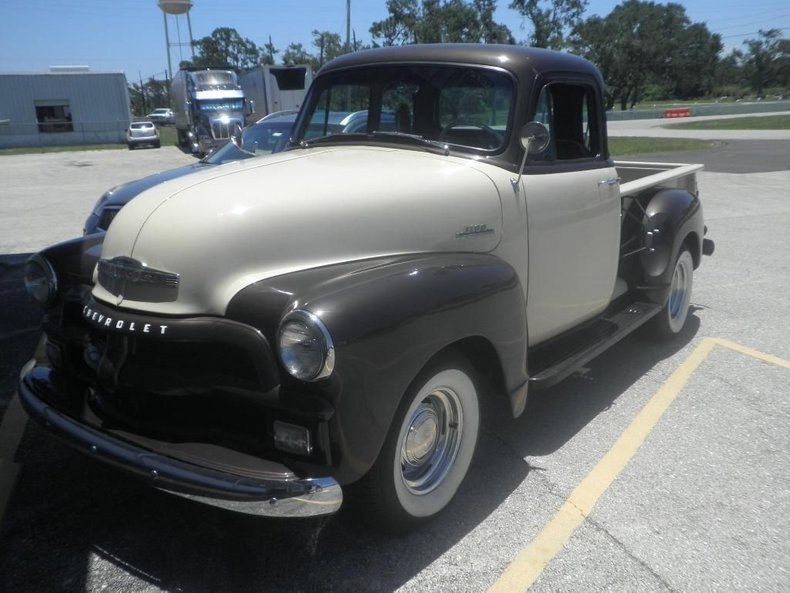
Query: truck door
[[573, 213]]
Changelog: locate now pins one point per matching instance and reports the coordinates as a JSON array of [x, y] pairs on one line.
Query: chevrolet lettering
[[444, 228], [119, 324]]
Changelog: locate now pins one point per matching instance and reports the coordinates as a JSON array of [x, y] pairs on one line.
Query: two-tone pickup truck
[[268, 335]]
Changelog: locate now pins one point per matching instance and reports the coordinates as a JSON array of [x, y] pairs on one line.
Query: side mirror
[[534, 137]]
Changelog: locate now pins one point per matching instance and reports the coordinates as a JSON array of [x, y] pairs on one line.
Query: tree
[[398, 28], [225, 48], [551, 20], [490, 30], [329, 46], [641, 44], [729, 73], [268, 52], [693, 63], [148, 95], [440, 21], [295, 53], [767, 60]]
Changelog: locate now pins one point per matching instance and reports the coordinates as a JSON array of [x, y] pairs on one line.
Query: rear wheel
[[428, 449], [672, 318]]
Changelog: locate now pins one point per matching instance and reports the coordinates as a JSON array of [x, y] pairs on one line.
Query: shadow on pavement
[[20, 324], [75, 525]]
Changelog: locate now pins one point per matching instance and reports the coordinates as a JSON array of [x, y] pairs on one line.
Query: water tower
[[176, 10]]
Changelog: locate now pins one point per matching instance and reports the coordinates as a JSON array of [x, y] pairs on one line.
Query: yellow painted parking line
[[753, 353], [522, 573]]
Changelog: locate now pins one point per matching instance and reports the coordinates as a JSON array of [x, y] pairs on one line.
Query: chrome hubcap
[[431, 441], [677, 296]]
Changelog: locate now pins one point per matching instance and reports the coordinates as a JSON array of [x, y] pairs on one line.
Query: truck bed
[[637, 176]]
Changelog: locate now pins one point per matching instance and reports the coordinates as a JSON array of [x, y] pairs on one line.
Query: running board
[[554, 361]]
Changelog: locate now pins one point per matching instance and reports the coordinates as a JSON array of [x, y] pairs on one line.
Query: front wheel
[[428, 449], [672, 318]]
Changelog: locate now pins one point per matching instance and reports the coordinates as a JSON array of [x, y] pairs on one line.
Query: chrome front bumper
[[281, 495]]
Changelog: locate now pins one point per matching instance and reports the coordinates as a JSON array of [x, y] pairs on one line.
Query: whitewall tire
[[672, 318], [428, 449]]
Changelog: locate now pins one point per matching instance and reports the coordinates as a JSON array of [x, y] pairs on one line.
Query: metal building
[[67, 105]]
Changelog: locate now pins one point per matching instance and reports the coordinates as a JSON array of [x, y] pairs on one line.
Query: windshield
[[459, 106], [258, 139], [221, 105]]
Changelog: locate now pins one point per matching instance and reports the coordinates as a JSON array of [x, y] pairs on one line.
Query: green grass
[[69, 148], [167, 136], [631, 146], [768, 122]]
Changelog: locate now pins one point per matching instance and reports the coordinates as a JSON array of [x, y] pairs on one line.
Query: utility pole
[[348, 26], [142, 92]]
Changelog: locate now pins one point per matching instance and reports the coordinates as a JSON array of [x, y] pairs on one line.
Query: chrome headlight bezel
[[305, 347], [41, 281]]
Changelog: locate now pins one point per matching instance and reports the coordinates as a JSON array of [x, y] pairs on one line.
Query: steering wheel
[[489, 135]]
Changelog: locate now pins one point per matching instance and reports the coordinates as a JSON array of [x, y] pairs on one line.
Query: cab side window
[[568, 111]]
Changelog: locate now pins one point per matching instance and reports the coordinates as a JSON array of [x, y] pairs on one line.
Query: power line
[[752, 33]]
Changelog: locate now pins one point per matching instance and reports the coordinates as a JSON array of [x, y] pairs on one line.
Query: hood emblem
[[127, 278]]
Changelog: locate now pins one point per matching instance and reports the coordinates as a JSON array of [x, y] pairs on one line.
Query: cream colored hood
[[223, 229]]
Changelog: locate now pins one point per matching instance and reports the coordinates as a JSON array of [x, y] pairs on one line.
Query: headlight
[[305, 346], [40, 280]]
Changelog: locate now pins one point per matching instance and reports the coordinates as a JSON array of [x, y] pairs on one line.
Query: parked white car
[[162, 116]]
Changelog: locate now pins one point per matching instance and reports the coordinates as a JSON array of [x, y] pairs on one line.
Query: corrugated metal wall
[[98, 102]]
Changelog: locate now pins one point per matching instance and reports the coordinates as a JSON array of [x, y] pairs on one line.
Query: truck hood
[[222, 229]]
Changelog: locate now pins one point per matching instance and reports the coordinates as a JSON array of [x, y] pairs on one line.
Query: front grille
[[205, 380], [222, 130], [205, 392], [174, 368]]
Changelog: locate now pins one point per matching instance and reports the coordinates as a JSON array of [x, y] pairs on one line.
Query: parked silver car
[[142, 132]]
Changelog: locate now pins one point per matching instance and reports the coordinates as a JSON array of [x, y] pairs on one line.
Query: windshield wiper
[[401, 137], [413, 139], [328, 138]]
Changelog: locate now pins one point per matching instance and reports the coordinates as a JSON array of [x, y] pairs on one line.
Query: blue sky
[[128, 35]]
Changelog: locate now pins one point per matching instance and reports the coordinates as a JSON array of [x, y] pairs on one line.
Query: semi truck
[[276, 88], [208, 105]]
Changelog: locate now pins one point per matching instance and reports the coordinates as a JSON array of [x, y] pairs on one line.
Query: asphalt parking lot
[[660, 467]]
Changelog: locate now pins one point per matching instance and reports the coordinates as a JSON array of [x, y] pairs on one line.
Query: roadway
[[660, 467]]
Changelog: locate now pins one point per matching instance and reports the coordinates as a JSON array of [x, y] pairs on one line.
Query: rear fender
[[673, 217]]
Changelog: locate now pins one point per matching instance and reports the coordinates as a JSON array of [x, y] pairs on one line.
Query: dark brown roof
[[522, 61]]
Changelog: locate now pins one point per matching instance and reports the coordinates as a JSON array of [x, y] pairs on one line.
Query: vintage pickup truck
[[270, 335]]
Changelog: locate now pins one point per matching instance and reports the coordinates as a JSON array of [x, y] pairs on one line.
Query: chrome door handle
[[612, 181]]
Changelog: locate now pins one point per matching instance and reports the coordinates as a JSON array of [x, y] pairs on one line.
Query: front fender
[[388, 318]]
